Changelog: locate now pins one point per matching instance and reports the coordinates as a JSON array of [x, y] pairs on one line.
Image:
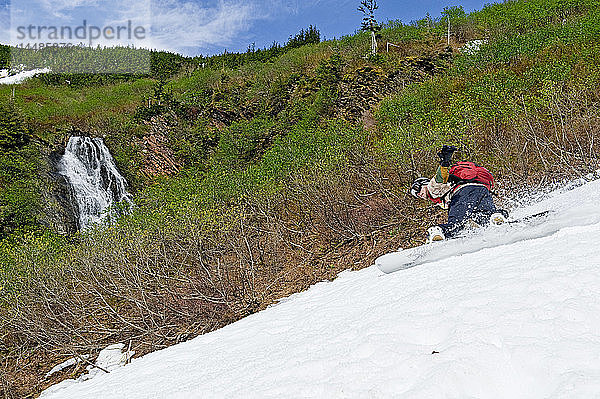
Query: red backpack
[[469, 172]]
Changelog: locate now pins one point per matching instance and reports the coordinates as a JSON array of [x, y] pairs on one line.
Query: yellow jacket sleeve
[[442, 174], [438, 186]]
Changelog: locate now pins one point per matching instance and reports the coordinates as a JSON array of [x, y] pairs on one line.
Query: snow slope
[[520, 320], [20, 77]]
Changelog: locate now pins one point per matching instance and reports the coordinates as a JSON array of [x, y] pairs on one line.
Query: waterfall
[[93, 176]]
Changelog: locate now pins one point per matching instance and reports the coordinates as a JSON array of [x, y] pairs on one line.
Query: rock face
[[159, 159], [362, 89], [59, 212]]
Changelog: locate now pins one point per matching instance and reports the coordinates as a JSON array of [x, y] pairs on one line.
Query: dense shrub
[[19, 190]]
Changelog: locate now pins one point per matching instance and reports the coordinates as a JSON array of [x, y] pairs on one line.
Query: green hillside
[[281, 167]]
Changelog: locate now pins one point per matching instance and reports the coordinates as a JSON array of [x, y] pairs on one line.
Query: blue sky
[[195, 27]]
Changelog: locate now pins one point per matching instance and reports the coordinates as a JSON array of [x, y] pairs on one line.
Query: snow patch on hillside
[[20, 77], [520, 320]]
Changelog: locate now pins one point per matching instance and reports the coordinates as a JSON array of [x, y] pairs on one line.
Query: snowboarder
[[463, 189]]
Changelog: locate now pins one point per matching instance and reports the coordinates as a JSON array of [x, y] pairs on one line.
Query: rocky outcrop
[[158, 157], [59, 210], [365, 87]]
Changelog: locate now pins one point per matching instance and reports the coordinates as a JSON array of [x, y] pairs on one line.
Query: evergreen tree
[[308, 36], [13, 130]]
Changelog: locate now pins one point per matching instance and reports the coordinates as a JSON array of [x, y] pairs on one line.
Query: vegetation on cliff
[[283, 168]]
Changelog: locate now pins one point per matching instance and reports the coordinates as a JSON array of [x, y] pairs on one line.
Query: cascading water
[[93, 176]]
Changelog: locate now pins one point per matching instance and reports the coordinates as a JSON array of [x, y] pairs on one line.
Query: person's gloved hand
[[445, 155]]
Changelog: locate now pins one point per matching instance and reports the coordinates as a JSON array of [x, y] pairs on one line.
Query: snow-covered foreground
[[520, 320]]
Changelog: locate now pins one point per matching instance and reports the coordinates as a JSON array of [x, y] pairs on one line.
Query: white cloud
[[62, 9], [177, 25]]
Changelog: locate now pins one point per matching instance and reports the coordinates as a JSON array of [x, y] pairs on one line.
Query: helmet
[[415, 189]]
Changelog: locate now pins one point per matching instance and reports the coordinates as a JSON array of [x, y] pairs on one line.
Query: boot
[[435, 234], [497, 219]]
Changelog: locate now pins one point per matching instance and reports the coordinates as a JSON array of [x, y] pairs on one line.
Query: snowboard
[[469, 241]]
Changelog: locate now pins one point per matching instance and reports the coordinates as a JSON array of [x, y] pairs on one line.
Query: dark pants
[[468, 203]]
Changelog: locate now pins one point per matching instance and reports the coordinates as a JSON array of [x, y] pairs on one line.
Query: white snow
[[21, 76], [520, 320], [67, 363], [109, 359]]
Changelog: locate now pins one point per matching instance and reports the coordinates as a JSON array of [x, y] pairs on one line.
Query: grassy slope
[[282, 191]]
